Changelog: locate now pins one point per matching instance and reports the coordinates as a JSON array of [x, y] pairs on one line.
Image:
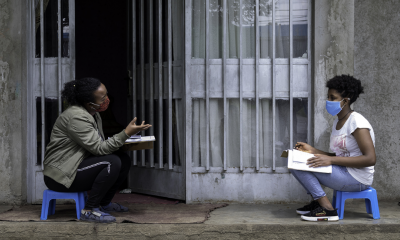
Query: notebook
[[297, 160]]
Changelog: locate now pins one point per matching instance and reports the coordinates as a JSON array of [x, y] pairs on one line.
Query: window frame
[[198, 88]]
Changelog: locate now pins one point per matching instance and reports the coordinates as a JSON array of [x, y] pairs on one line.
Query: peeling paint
[[12, 163], [4, 71]]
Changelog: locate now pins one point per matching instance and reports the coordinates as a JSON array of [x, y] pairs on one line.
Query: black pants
[[102, 175]]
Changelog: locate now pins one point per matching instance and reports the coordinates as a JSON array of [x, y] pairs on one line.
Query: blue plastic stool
[[371, 201], [49, 202]]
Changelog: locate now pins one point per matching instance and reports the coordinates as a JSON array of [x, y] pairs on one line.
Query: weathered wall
[[12, 62], [333, 55], [377, 65]]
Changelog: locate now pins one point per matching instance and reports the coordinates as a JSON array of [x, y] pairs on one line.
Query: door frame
[[33, 171]]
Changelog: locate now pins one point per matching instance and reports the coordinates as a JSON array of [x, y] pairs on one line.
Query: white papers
[[136, 137], [142, 139], [298, 160]]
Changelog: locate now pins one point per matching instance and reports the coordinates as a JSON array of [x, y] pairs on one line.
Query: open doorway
[[101, 52], [104, 49]]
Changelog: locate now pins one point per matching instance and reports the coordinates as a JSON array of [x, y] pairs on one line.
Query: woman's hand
[[133, 129], [319, 160], [304, 147]]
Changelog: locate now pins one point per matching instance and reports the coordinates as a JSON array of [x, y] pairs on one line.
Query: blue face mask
[[333, 108]]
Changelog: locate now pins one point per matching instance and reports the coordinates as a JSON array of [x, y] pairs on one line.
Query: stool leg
[[341, 200], [77, 206], [375, 207], [45, 207], [334, 199], [81, 204], [52, 206], [368, 205]]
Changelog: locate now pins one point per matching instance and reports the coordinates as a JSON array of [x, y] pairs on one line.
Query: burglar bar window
[[158, 84], [264, 77], [50, 8], [52, 64]]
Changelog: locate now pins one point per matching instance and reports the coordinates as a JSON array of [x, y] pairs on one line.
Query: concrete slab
[[4, 208], [355, 213], [272, 221]]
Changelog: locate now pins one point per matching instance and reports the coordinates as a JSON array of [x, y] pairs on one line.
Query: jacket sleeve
[[82, 131]]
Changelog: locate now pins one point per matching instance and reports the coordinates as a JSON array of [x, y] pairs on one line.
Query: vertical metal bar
[[207, 80], [257, 84], [30, 102], [142, 65], [72, 57], [273, 86], [151, 70], [170, 85], [160, 88], [224, 27], [291, 71], [59, 57], [134, 74], [310, 140], [241, 85], [42, 100], [188, 101]]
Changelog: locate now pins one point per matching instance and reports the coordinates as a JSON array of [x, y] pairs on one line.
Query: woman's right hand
[[304, 147], [133, 129]]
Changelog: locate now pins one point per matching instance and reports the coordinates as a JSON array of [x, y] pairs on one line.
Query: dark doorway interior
[[101, 52]]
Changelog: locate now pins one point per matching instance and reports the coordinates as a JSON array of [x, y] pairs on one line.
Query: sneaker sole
[[302, 212], [320, 219]]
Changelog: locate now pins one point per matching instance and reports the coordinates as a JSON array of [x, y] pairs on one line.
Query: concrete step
[[237, 221]]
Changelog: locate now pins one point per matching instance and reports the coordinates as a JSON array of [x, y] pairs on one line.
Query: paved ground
[[237, 221]]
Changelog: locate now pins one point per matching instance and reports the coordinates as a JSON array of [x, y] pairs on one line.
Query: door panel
[[157, 27], [51, 57]]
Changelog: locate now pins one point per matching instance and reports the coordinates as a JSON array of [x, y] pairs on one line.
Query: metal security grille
[[157, 78], [60, 66], [227, 69], [157, 95]]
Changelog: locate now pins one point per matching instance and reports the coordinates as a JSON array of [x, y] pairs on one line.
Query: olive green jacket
[[74, 137]]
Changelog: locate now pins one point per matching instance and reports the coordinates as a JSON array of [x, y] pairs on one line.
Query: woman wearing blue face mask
[[353, 145]]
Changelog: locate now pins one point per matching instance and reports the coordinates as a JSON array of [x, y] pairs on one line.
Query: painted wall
[[377, 65], [12, 109]]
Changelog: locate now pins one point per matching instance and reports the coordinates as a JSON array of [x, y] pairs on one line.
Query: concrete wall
[[377, 65], [333, 55], [357, 37], [12, 97]]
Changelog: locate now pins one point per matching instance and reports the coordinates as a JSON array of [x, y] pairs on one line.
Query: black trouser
[[102, 175]]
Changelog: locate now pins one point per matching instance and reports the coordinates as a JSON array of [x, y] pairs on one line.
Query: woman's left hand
[[319, 160]]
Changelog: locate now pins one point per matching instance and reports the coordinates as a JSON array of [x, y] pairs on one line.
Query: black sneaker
[[321, 214], [307, 208]]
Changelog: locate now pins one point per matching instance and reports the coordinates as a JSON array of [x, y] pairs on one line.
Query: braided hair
[[347, 86], [79, 92]]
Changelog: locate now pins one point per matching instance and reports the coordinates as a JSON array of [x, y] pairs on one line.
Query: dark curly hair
[[79, 92], [347, 86]]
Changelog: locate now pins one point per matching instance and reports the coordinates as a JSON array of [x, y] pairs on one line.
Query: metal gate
[[156, 90], [157, 95], [51, 63]]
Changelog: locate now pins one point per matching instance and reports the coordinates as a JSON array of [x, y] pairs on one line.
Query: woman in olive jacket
[[79, 158]]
